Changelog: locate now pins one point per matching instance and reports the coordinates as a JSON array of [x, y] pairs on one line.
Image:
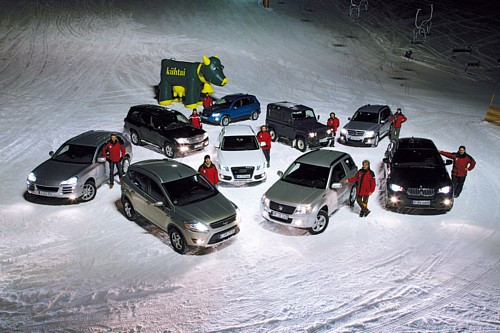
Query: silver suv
[[77, 168], [368, 125], [180, 201], [310, 190]]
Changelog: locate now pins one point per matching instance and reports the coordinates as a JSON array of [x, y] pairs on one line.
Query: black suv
[[416, 176], [165, 128], [297, 124]]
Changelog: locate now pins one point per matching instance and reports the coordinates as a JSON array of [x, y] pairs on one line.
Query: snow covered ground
[[67, 67]]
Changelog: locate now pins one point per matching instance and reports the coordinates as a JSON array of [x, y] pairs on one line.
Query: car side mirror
[[336, 186], [158, 204], [385, 160], [280, 174], [349, 118], [51, 153], [449, 162], [101, 159], [318, 117]]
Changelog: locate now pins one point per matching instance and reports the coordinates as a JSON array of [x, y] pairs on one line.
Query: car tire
[[125, 164], [128, 209], [135, 138], [89, 191], [375, 142], [178, 242], [225, 121], [352, 195], [301, 144], [273, 135], [169, 150], [320, 223], [255, 115]]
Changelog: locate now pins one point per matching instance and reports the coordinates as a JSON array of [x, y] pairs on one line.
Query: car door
[[236, 109], [337, 196], [145, 127], [155, 131], [138, 191], [245, 109], [101, 170], [288, 129], [385, 125], [159, 215]]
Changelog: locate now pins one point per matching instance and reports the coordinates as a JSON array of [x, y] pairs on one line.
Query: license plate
[[279, 215], [198, 145], [48, 194], [227, 233], [242, 176], [421, 202], [354, 138]]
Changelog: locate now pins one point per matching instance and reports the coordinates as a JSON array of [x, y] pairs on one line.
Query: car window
[[287, 117], [140, 180], [72, 153], [189, 190], [367, 117], [243, 142], [416, 158], [385, 114], [307, 175], [156, 122], [155, 191], [303, 114], [350, 163], [338, 173], [135, 115], [174, 120], [223, 102], [145, 119], [273, 113], [245, 101]]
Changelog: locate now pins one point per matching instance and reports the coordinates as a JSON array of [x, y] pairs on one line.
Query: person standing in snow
[[114, 152], [209, 170], [332, 125], [462, 163], [207, 101], [365, 186], [265, 139], [195, 119], [398, 118]]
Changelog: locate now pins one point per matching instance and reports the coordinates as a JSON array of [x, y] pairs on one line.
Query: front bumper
[[356, 140], [184, 149], [213, 237], [211, 119], [399, 200], [302, 221], [233, 175], [54, 191]]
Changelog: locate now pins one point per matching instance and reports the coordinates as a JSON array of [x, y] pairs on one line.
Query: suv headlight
[[216, 114], [329, 131], [303, 209], [238, 213], [312, 134], [182, 140], [195, 226], [32, 177], [445, 189], [222, 167], [343, 131], [396, 188], [369, 134], [70, 181], [265, 201]]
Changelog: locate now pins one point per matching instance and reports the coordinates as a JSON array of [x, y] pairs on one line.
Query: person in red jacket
[[398, 118], [195, 119], [265, 139], [209, 170], [114, 152], [365, 186], [207, 101], [332, 125], [462, 163]]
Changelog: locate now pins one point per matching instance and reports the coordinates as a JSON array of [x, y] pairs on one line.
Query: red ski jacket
[[365, 182], [264, 139], [113, 151], [195, 120], [207, 102], [333, 123], [461, 163], [210, 173], [398, 119]]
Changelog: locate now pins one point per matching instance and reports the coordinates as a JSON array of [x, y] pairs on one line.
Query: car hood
[[57, 171], [183, 132], [241, 158], [360, 125], [292, 194], [216, 108], [207, 211], [416, 177], [310, 124]]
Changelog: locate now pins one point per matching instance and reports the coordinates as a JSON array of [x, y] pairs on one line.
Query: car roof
[[92, 138], [291, 106], [153, 109], [372, 108], [321, 157], [165, 170], [416, 143], [232, 130], [235, 96]]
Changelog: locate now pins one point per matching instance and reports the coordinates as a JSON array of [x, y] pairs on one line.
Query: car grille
[[355, 132], [321, 135], [47, 188], [421, 192], [196, 139], [242, 172], [281, 208], [223, 222]]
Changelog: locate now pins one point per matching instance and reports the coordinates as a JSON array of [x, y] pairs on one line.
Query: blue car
[[231, 108]]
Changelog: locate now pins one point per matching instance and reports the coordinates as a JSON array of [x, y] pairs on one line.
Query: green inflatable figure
[[188, 80]]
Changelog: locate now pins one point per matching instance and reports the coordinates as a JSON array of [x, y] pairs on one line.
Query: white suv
[[239, 156]]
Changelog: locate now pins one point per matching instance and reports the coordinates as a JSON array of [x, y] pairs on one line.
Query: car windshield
[[418, 158], [189, 190], [174, 120], [74, 154], [307, 175], [223, 102], [303, 114], [366, 117], [247, 142]]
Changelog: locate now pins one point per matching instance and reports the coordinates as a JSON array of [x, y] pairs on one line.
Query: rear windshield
[[189, 190], [423, 158], [72, 153], [307, 175], [366, 117], [247, 142]]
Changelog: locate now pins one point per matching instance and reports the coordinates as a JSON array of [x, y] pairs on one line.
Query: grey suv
[[297, 124], [310, 190], [180, 201], [368, 125], [77, 168]]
